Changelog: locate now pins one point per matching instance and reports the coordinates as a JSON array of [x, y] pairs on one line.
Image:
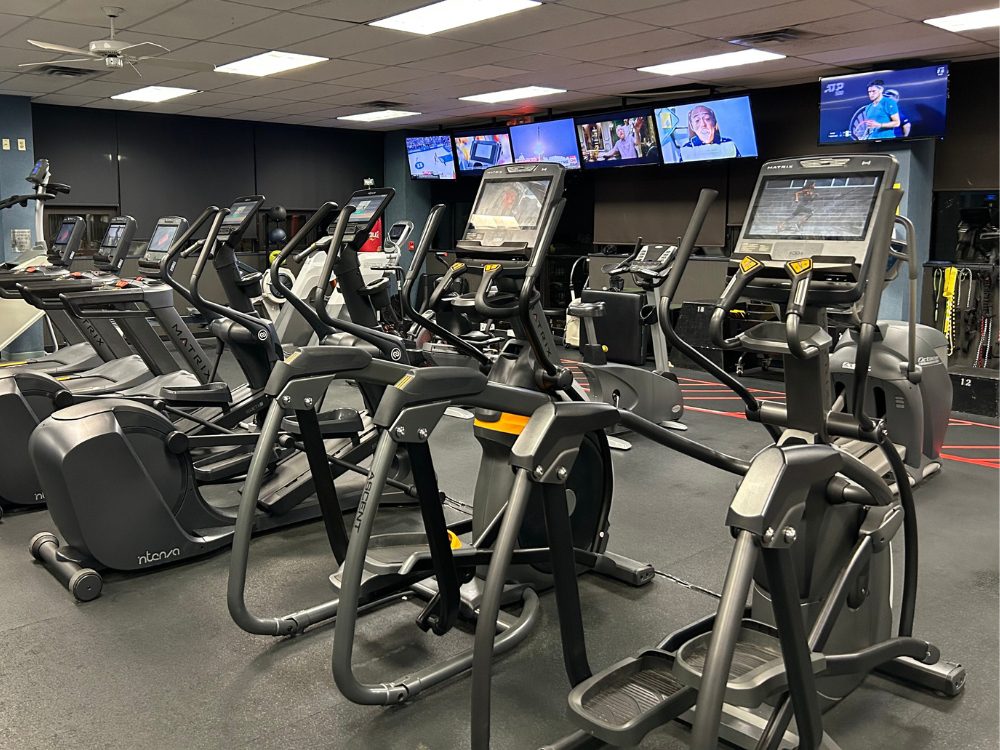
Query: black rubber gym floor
[[156, 662]]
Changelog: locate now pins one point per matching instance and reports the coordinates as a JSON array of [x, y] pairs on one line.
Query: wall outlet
[[6, 144], [22, 144]]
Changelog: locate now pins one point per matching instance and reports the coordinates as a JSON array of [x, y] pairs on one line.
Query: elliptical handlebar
[[910, 256], [179, 244], [321, 215], [323, 298]]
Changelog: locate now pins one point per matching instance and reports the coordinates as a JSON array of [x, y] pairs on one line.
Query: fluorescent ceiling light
[[382, 114], [154, 94], [450, 14], [525, 92], [712, 62], [269, 63], [979, 19]]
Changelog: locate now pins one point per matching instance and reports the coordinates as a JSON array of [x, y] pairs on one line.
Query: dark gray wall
[[153, 165]]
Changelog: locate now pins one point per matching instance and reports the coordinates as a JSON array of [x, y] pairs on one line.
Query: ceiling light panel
[[451, 14], [509, 95], [712, 62], [269, 63], [154, 94], [382, 114], [980, 19]]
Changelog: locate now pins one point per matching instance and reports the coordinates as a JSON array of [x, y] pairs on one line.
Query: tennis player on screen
[[881, 115]]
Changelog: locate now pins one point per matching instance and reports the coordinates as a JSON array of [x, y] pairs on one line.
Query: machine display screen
[[239, 212], [477, 152], [508, 205], [553, 141], [814, 208], [366, 207], [620, 139], [113, 235], [65, 231], [162, 239]]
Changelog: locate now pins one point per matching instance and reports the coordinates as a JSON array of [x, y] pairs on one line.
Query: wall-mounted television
[[618, 139], [431, 157], [884, 105], [477, 151], [554, 140], [705, 131]]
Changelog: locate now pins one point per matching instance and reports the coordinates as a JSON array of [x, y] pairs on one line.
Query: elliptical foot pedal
[[332, 424], [622, 704], [388, 552]]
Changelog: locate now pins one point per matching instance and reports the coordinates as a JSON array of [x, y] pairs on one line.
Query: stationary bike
[[654, 395]]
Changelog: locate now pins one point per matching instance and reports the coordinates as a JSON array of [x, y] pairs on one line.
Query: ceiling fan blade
[[56, 62], [132, 65], [197, 67], [61, 48], [136, 49]]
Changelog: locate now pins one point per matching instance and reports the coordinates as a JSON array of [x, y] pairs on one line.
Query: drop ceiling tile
[[982, 35], [11, 57], [207, 81], [254, 116], [27, 7], [650, 41], [177, 107], [215, 99], [682, 52], [72, 34], [34, 83], [276, 4], [517, 25], [414, 49], [921, 9], [314, 91], [619, 80], [349, 41], [888, 49], [430, 83], [377, 76], [615, 8], [295, 108], [281, 30], [216, 54], [361, 96], [846, 24], [329, 113], [765, 19], [598, 30], [259, 86], [330, 70], [540, 62], [203, 19], [89, 12], [63, 100], [216, 111], [689, 11], [303, 119], [490, 72], [151, 74], [359, 12], [10, 22], [100, 88], [114, 104], [459, 61]]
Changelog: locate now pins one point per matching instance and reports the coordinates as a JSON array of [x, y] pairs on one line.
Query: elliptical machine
[[654, 395]]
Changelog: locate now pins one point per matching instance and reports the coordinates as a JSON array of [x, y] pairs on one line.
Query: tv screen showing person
[[617, 140], [553, 141], [884, 105], [718, 129], [477, 152], [431, 157]]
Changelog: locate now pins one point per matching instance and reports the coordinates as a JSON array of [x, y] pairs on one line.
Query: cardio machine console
[[512, 207], [816, 213], [236, 223], [168, 229], [39, 173], [67, 241], [110, 256], [369, 205]]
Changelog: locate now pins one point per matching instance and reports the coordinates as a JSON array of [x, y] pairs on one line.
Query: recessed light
[[450, 14], [382, 114], [978, 19], [154, 94], [712, 62], [269, 63], [525, 92]]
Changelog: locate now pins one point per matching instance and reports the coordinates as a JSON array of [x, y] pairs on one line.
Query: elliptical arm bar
[[181, 242], [531, 275], [705, 200], [206, 250], [406, 300], [913, 273], [688, 447]]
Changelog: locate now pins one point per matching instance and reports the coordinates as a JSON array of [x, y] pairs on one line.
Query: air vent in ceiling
[[61, 71], [380, 104], [775, 36]]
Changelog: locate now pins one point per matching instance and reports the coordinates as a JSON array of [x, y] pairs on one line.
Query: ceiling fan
[[115, 54]]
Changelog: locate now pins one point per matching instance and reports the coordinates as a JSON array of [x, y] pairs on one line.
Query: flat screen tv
[[884, 105], [618, 139], [477, 151], [554, 140], [431, 157], [705, 131]]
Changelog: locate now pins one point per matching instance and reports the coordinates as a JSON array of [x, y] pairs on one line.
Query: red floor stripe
[[954, 422], [987, 463], [972, 447]]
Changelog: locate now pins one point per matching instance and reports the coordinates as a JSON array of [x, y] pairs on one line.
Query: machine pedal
[[627, 701]]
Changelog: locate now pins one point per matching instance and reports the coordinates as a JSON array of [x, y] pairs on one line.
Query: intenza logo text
[[151, 557]]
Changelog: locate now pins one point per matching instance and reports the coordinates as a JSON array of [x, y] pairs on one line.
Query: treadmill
[[89, 342]]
